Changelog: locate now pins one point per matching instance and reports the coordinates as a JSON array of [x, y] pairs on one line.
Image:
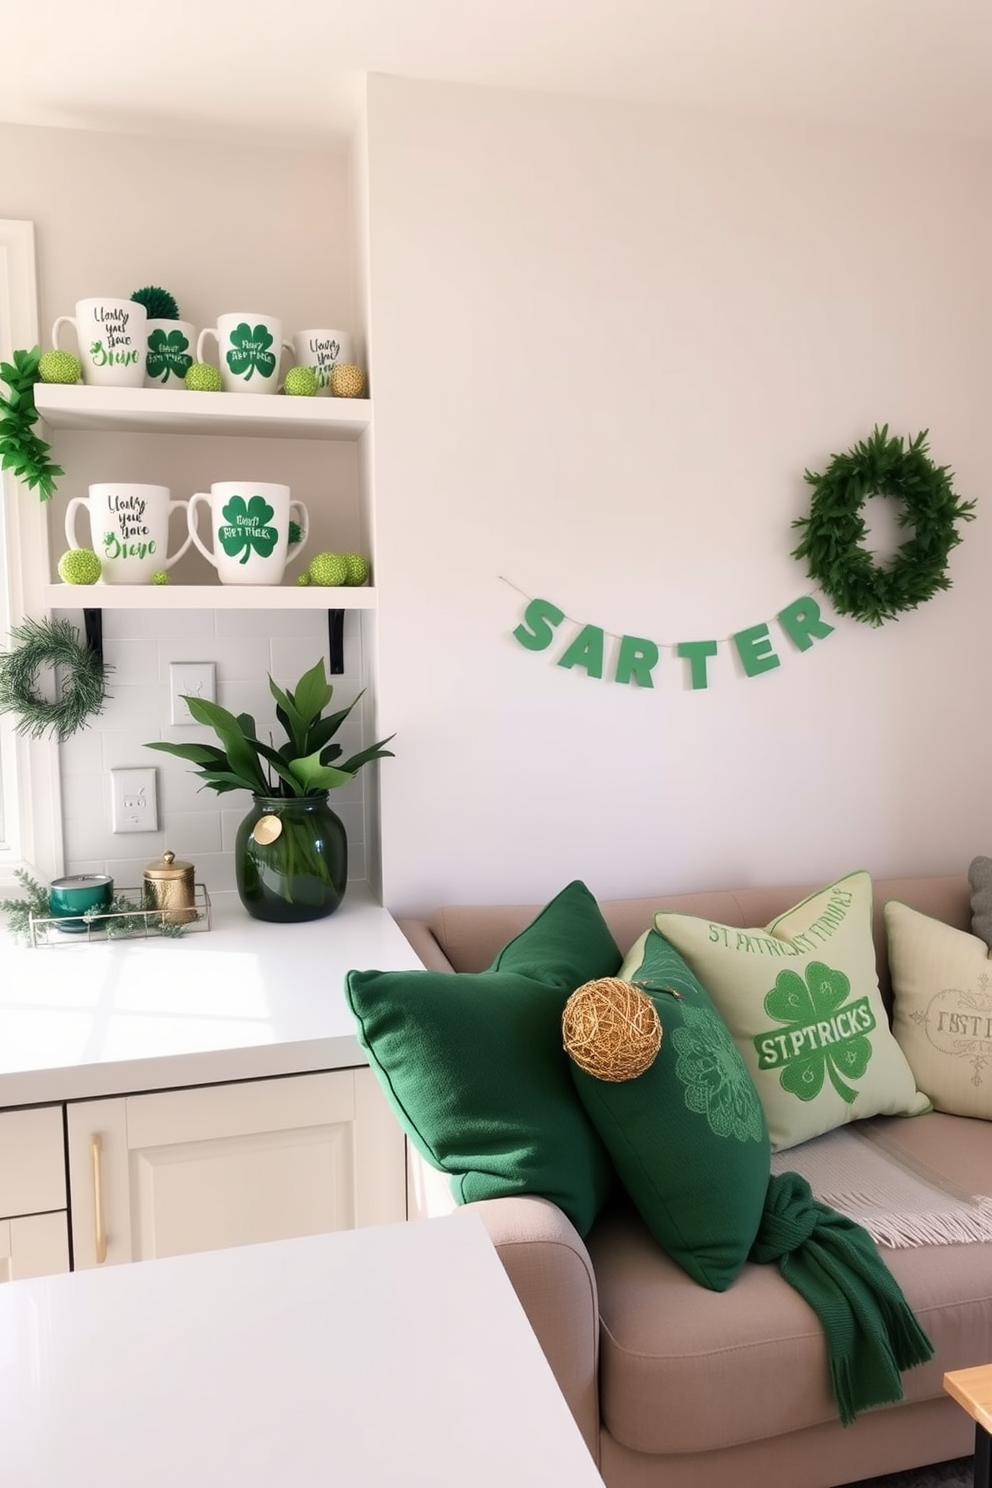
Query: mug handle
[[179, 506], [70, 516], [201, 342], [303, 522], [191, 524], [60, 322], [286, 346]]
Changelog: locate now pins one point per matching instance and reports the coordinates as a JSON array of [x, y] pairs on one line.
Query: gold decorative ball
[[611, 1029], [347, 381]]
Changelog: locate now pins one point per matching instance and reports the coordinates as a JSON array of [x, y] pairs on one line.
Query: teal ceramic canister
[[71, 897]]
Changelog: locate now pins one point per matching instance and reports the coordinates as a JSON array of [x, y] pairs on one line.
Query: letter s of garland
[[835, 528]]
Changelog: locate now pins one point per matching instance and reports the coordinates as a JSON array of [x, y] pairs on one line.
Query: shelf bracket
[[93, 626], [335, 638]]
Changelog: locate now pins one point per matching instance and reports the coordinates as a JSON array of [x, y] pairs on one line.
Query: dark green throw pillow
[[473, 1063], [688, 1136]]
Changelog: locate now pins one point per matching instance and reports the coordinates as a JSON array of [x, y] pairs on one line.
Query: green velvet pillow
[[687, 1136], [473, 1063]]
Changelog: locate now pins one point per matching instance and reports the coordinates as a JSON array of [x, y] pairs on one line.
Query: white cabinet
[[222, 1165], [33, 1226]]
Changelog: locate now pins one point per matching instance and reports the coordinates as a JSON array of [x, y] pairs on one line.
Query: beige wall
[[607, 343]]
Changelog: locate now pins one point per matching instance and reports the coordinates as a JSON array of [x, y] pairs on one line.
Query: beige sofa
[[675, 1386]]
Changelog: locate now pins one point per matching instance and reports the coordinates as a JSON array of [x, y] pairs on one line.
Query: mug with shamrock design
[[170, 351], [111, 334], [249, 347], [250, 525]]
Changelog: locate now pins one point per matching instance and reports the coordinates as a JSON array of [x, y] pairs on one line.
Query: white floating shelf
[[176, 411], [207, 597]]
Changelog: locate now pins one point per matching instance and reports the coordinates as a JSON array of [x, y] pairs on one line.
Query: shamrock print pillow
[[800, 997]]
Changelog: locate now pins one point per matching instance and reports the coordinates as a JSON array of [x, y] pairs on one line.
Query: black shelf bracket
[[93, 626], [335, 638]]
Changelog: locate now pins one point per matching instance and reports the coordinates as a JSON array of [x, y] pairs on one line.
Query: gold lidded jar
[[169, 886]]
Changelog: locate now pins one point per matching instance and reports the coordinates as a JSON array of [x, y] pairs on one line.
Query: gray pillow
[[980, 879]]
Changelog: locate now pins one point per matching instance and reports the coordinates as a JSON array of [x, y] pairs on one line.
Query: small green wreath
[[54, 643], [835, 528]]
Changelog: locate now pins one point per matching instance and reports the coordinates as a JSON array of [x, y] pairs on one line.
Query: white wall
[[222, 228], [607, 342]]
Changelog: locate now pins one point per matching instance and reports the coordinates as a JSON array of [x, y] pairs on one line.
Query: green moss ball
[[358, 568], [80, 566], [301, 382], [160, 576], [203, 378], [329, 569], [59, 366]]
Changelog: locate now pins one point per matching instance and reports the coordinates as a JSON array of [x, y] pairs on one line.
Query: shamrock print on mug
[[250, 530], [249, 348], [170, 352]]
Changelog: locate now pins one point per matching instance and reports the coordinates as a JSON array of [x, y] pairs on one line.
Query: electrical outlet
[[190, 679], [134, 799]]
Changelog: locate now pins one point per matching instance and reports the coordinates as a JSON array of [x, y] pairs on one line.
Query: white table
[[391, 1357]]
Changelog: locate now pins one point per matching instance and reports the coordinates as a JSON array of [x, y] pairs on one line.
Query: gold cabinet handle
[[99, 1233]]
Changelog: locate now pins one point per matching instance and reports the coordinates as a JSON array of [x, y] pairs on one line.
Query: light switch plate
[[193, 679]]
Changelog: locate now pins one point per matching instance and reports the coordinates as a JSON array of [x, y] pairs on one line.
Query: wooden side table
[[972, 1388]]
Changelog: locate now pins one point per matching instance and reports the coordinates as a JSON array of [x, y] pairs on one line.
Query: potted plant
[[291, 850]]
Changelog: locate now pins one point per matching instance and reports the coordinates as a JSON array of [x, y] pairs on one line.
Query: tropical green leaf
[[365, 756], [313, 693], [325, 728], [197, 754], [289, 716], [312, 775], [241, 755]]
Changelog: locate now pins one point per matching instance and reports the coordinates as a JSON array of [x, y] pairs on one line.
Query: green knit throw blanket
[[870, 1330]]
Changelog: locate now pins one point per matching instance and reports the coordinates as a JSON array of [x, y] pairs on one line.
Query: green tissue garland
[[835, 528], [20, 448]]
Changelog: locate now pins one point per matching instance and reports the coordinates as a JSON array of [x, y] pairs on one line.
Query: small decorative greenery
[[835, 528], [159, 303], [53, 643], [123, 916], [301, 766], [20, 448]]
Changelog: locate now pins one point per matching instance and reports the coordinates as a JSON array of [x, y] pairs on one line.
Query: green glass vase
[[291, 858]]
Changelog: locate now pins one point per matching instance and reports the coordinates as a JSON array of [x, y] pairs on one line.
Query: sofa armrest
[[552, 1275], [424, 942]]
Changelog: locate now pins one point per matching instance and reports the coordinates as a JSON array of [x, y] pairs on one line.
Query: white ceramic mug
[[112, 336], [320, 351], [129, 529], [169, 352], [249, 347], [249, 525]]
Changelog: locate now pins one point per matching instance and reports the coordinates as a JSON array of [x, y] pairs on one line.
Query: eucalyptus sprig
[[20, 448]]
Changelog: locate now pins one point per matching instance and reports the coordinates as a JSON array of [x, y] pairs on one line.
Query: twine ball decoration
[[611, 1029]]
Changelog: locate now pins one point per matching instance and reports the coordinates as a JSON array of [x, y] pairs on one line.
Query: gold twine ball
[[611, 1029], [347, 381]]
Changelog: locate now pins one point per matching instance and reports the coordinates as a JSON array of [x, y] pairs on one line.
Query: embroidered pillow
[[942, 1009], [687, 1137], [801, 999]]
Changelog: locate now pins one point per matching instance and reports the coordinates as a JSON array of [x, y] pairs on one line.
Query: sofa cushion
[[942, 1009], [474, 1068], [687, 1136], [980, 885], [685, 1370], [801, 999]]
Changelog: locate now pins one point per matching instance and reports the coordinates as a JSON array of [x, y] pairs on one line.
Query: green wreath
[[835, 528], [82, 691]]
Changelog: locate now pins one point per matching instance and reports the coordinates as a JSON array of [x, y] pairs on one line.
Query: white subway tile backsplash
[[195, 822]]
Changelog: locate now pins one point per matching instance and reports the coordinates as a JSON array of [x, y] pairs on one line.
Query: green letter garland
[[82, 692], [20, 448], [835, 528]]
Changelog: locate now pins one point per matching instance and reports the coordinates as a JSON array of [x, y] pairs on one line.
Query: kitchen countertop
[[243, 1000], [369, 1358]]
